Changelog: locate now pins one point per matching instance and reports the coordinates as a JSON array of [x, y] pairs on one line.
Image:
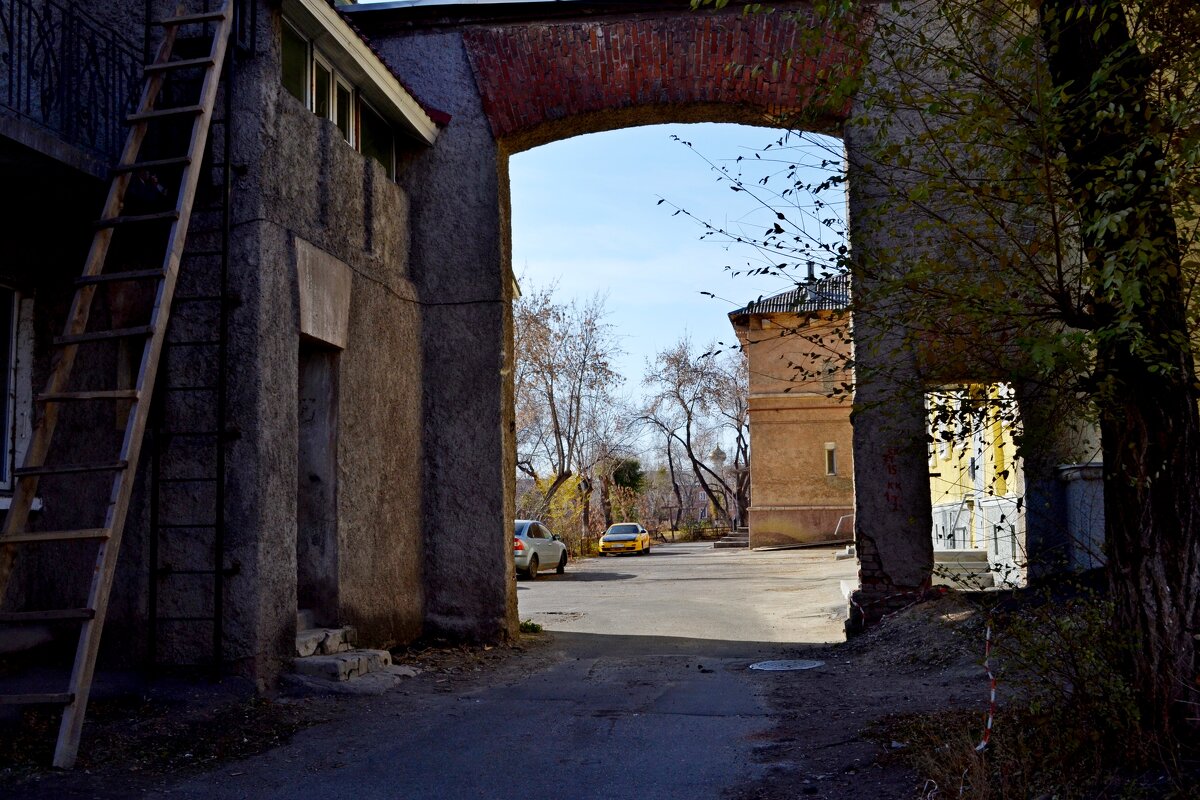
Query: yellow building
[[801, 459], [974, 473]]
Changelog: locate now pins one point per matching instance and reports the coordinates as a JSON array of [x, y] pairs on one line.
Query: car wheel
[[562, 564], [531, 573]]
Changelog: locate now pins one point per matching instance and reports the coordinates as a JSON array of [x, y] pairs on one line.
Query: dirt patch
[[827, 742]]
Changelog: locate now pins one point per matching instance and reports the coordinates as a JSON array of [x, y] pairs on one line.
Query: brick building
[[801, 454]]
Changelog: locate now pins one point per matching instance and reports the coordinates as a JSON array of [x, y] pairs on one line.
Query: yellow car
[[625, 537]]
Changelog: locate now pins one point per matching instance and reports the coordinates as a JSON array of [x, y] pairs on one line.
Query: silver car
[[536, 548]]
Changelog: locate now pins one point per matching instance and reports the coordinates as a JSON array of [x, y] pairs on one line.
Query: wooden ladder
[[217, 26]]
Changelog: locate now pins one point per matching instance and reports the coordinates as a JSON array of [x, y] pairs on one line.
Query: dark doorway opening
[[316, 489]]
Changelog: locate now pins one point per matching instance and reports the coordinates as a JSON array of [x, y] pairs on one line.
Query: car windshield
[[520, 527], [623, 529]]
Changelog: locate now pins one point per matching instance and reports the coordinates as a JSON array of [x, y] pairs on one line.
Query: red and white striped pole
[[991, 716]]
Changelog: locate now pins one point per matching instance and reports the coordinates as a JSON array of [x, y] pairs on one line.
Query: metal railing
[[66, 71]]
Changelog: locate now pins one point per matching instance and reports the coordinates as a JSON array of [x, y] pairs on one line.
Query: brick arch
[[550, 80]]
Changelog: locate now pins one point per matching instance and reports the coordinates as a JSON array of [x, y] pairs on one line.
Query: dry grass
[[1068, 726], [1024, 761]]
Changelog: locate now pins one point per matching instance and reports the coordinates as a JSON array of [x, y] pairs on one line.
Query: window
[[16, 356], [831, 458], [295, 63], [311, 78], [376, 140], [343, 110], [322, 104]]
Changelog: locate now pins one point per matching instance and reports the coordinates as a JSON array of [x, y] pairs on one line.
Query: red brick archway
[[547, 80]]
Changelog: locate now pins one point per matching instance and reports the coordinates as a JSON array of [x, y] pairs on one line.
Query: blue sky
[[585, 214]]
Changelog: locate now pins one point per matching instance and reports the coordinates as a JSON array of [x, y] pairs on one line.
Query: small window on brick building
[[831, 458]]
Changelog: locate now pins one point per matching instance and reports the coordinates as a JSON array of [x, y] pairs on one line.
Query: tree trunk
[[585, 516], [1151, 501], [559, 480], [675, 488], [699, 469], [606, 498], [1147, 393], [743, 498]]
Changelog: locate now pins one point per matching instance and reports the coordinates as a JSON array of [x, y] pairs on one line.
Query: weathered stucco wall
[[460, 268], [303, 180], [893, 510], [296, 179], [895, 364]]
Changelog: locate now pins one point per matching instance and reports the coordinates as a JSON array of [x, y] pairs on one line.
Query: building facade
[[800, 399], [283, 468]]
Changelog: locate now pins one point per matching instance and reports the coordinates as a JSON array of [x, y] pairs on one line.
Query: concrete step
[[960, 556], [343, 666], [325, 641], [731, 543], [967, 581], [963, 569], [380, 680]]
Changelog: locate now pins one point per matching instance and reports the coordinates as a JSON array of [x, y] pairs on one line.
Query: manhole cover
[[787, 666]]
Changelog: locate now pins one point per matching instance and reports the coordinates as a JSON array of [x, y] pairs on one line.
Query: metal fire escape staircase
[[61, 391]]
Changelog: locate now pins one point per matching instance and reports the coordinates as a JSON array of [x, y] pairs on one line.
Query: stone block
[[343, 666], [325, 641]]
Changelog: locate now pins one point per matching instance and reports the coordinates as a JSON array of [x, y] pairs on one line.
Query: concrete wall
[[303, 182], [296, 178], [459, 197]]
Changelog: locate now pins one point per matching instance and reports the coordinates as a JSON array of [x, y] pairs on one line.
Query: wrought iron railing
[[65, 71]]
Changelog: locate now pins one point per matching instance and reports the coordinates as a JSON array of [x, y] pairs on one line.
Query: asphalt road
[[724, 597], [643, 691]]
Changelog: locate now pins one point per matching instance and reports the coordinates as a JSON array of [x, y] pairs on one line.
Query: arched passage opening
[[635, 360], [509, 77]]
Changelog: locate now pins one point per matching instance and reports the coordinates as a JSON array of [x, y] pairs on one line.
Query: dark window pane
[[344, 107], [295, 63], [375, 136], [7, 334], [322, 80]]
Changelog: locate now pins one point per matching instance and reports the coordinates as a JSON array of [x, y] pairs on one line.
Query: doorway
[[316, 483]]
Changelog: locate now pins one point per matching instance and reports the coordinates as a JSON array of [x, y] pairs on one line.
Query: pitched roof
[[831, 293], [422, 3]]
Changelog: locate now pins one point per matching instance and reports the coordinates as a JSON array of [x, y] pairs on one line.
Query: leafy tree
[[628, 474]]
